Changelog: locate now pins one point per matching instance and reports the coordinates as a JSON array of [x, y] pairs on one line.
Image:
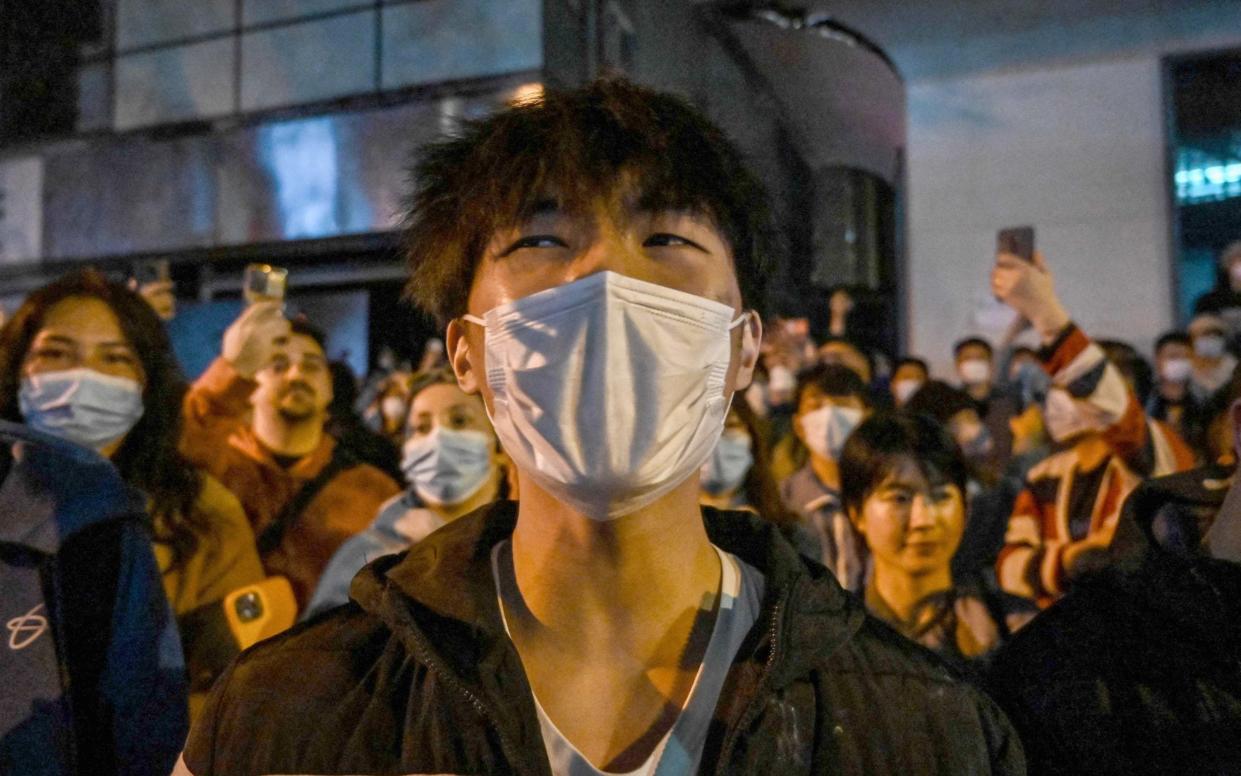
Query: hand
[[159, 294], [252, 339], [1027, 288]]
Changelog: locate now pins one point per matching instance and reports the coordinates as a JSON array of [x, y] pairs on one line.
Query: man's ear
[[457, 345], [747, 358], [855, 517]]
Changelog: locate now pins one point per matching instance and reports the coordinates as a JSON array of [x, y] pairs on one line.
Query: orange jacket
[[218, 438]]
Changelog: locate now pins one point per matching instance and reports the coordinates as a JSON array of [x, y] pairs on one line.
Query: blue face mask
[[728, 465], [447, 467], [81, 405]]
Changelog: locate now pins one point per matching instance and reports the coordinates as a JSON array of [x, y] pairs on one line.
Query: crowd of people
[[617, 520]]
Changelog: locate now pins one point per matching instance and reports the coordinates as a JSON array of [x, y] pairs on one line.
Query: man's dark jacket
[[416, 675], [1137, 670], [92, 679]]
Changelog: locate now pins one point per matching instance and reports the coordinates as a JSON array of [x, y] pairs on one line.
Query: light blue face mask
[[447, 467], [81, 405], [728, 465]]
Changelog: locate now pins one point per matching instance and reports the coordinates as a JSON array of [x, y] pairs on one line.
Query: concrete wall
[[1074, 144]]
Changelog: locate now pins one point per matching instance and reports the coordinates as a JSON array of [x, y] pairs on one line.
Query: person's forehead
[[304, 346], [84, 320], [909, 368], [972, 350], [813, 392], [902, 471]]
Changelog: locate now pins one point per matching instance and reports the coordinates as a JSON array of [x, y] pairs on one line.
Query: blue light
[[301, 157]]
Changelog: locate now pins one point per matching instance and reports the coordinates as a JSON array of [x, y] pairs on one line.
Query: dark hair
[[832, 380], [882, 440], [1174, 337], [912, 361], [865, 353], [301, 326], [761, 489], [148, 459], [940, 401], [1023, 350], [962, 344], [611, 137], [1136, 371]]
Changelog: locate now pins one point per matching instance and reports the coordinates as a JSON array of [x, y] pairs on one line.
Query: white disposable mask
[[447, 466], [781, 379], [1176, 370], [393, 409], [904, 390], [608, 391], [826, 429], [1065, 417], [1209, 346], [81, 405], [731, 460], [974, 371]]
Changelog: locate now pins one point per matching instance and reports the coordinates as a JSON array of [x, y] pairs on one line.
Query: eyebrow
[[62, 339]]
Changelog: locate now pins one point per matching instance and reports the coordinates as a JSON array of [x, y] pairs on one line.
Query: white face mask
[[974, 371], [81, 405], [725, 470], [1209, 346], [608, 391], [781, 379], [904, 390], [447, 467], [1063, 416], [1176, 370], [826, 429]]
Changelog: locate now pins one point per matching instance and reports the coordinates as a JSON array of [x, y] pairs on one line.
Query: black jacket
[[416, 675], [1138, 670]]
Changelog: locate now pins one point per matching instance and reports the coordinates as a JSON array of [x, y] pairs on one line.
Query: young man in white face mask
[[1212, 363], [596, 255], [1064, 518]]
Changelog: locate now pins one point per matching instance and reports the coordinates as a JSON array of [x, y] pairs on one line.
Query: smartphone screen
[[1017, 240]]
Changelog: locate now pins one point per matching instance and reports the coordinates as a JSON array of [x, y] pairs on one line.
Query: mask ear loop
[[474, 319]]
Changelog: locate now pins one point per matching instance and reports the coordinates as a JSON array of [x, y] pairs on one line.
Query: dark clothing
[[92, 678], [1136, 670], [416, 675], [1186, 417]]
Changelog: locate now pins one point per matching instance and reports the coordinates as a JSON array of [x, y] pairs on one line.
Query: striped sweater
[[1050, 517]]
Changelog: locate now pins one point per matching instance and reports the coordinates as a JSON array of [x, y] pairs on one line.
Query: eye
[[422, 427], [458, 419], [535, 241], [667, 240], [941, 495], [122, 358], [897, 498]]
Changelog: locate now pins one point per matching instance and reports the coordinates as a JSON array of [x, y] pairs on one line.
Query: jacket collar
[[440, 598], [55, 488]]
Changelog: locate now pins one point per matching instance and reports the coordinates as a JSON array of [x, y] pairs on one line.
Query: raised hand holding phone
[[1028, 288]]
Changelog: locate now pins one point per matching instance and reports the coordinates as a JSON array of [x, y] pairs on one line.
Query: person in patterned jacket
[[1064, 518]]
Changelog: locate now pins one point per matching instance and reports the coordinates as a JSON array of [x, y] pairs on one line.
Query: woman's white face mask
[[447, 467], [608, 391], [81, 405]]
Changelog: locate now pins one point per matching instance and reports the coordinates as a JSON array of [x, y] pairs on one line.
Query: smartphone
[[156, 271], [1017, 240], [264, 283]]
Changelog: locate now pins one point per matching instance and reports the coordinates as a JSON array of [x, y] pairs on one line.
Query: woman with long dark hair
[[87, 360]]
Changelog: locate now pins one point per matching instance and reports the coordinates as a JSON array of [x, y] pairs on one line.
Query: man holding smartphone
[[598, 258], [255, 420]]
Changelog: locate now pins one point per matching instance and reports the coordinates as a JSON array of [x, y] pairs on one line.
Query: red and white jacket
[[1031, 564]]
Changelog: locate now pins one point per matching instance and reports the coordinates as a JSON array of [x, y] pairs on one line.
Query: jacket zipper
[[506, 746], [752, 709]]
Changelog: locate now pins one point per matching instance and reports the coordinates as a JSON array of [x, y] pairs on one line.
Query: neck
[[285, 437], [1172, 391], [978, 391], [827, 470], [593, 585], [902, 591], [1223, 538]]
